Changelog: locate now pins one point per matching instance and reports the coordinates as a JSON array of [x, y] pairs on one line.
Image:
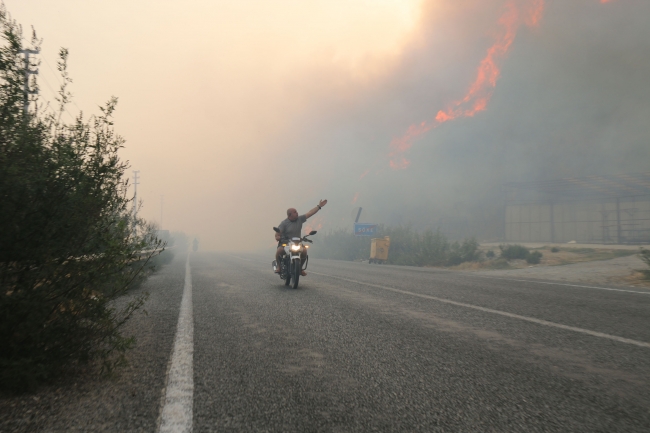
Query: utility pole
[[28, 72], [135, 194], [161, 211]]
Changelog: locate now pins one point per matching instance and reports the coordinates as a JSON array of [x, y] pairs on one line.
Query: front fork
[[297, 258], [283, 263]]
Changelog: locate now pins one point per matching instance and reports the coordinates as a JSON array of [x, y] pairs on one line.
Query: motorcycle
[[291, 265]]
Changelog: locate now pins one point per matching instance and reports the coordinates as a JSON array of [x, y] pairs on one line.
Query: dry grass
[[486, 264], [637, 279], [565, 256]]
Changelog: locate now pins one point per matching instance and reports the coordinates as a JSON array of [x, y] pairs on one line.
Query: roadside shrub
[[513, 252], [407, 247], [533, 257], [421, 249], [555, 250], [467, 251], [490, 254], [70, 245]]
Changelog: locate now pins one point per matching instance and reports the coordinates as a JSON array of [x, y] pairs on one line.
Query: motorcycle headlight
[[295, 247]]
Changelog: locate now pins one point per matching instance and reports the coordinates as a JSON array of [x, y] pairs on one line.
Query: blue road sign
[[365, 229]]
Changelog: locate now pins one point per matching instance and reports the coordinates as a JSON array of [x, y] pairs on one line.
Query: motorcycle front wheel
[[297, 267], [287, 272]]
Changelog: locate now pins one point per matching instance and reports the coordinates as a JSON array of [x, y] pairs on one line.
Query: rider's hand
[[322, 203]]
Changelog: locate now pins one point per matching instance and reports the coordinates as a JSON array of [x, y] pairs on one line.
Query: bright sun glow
[[342, 30]]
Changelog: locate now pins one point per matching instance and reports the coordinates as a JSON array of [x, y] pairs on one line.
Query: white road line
[[176, 414], [501, 313], [561, 284], [552, 283]]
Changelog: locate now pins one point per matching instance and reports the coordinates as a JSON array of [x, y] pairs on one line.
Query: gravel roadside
[[619, 271], [130, 401]]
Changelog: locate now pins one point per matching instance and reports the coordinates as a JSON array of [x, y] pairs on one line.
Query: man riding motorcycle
[[292, 228]]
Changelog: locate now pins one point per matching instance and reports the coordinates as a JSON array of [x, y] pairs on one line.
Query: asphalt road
[[361, 347]]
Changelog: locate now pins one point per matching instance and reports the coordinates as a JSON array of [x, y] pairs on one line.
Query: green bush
[[467, 251], [555, 250], [490, 254], [70, 245], [533, 257], [513, 252]]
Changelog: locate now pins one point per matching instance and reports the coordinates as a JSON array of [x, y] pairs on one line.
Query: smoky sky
[[233, 134], [572, 100]]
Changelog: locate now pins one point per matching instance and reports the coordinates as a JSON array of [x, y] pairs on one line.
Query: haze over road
[[361, 347]]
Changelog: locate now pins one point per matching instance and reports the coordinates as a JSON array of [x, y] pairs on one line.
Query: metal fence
[[596, 209]]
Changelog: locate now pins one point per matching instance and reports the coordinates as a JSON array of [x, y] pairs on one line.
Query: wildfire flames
[[477, 97]]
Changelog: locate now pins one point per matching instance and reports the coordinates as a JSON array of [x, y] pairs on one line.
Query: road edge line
[[501, 313], [176, 414], [489, 277]]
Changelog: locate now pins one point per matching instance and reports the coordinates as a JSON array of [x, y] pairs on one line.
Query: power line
[[54, 95], [28, 72], [60, 83]]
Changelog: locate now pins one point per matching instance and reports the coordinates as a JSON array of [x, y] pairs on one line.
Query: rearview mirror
[[276, 229], [313, 232]]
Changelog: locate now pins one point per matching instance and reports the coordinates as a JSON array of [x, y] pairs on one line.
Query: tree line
[[407, 247], [70, 245]]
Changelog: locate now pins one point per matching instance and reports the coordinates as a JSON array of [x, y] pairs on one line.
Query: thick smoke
[[234, 119], [572, 100]]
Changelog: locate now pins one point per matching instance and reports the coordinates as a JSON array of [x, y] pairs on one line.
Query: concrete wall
[[593, 221]]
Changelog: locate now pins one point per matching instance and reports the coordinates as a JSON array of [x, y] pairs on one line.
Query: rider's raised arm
[[316, 209]]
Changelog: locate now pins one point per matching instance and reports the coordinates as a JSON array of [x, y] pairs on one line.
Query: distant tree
[[68, 244]]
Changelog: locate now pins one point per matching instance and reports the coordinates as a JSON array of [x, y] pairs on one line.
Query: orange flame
[[365, 173], [480, 91], [535, 13], [355, 198]]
